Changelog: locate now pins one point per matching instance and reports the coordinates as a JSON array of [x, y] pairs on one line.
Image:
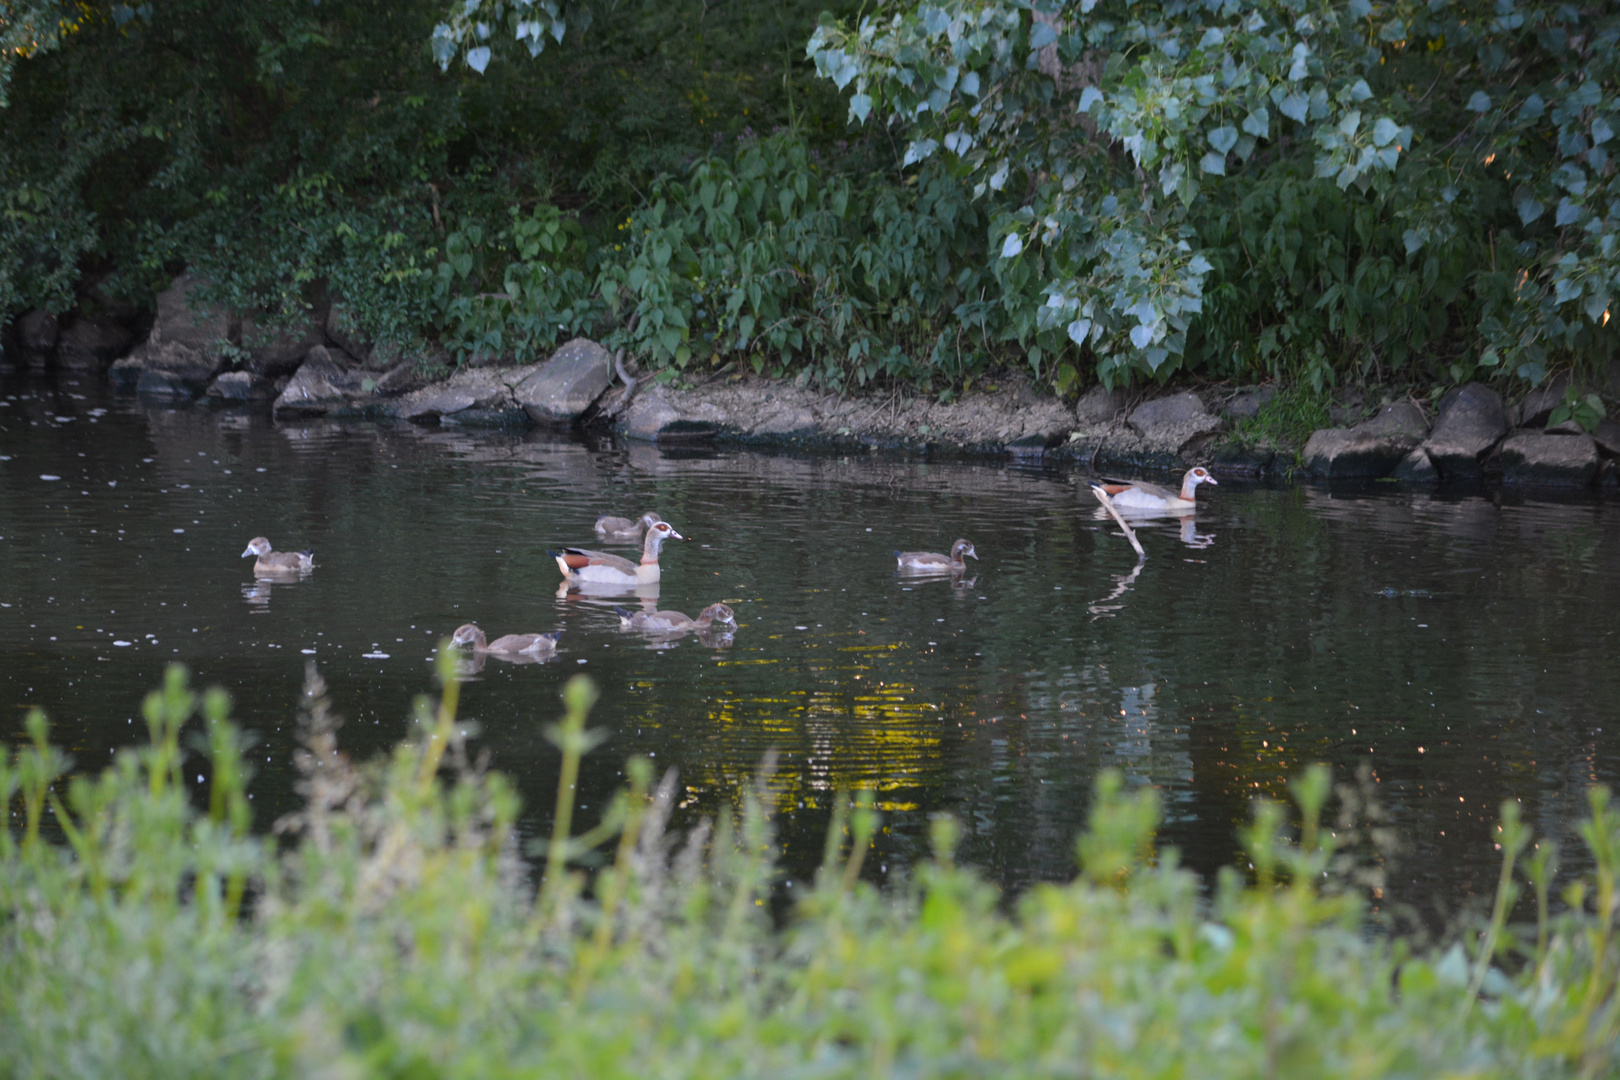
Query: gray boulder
[[35, 335], [1246, 404], [181, 322], [653, 417], [1539, 403], [318, 387], [1172, 423], [1541, 460], [1397, 420], [91, 344], [241, 386], [1607, 437], [561, 389], [1469, 423], [1416, 468], [1339, 453], [1100, 406], [172, 369], [274, 353], [472, 397]]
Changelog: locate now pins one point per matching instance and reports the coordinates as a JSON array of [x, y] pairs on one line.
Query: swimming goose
[[579, 565], [618, 528], [665, 622], [278, 563], [531, 644], [1141, 495], [928, 562]]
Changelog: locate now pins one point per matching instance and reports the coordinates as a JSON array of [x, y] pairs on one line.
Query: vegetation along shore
[[1351, 203], [392, 927]]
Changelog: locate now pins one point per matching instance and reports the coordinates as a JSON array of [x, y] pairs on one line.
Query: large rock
[[35, 335], [172, 369], [1100, 406], [274, 353], [472, 397], [561, 389], [1607, 437], [1416, 468], [318, 387], [241, 386], [1539, 403], [91, 344], [1172, 423], [1541, 460], [180, 321], [1397, 420], [1246, 404], [1469, 423], [654, 417], [1339, 453]]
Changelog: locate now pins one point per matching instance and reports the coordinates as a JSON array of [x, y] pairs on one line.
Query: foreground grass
[[393, 933]]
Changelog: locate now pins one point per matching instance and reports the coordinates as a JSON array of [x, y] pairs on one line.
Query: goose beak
[[248, 552], [673, 535]]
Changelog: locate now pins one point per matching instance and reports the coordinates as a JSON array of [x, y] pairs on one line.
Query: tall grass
[[391, 929]]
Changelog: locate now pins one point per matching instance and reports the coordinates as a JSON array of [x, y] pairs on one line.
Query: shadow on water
[[1463, 646]]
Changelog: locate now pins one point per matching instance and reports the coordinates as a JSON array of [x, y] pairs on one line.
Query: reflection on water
[[1463, 646]]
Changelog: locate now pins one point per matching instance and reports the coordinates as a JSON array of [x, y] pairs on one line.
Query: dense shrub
[[393, 931]]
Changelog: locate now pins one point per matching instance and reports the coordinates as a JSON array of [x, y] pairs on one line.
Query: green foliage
[[1265, 185], [1318, 191], [1585, 409], [393, 931]]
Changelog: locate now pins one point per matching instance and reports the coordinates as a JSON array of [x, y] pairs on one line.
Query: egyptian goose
[[531, 644], [673, 622], [1141, 495], [618, 528], [278, 563], [579, 565], [928, 562]]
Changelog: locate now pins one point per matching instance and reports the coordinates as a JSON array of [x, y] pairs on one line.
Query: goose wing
[[576, 559]]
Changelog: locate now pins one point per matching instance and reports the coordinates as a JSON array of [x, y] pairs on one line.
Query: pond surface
[[1462, 646]]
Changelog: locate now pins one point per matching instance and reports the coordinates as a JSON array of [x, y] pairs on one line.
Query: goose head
[[961, 549], [717, 614], [257, 546], [467, 634]]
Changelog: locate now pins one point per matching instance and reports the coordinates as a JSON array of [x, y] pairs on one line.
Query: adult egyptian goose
[[529, 644], [673, 622], [1140, 495], [928, 562], [278, 563], [618, 528], [579, 565]]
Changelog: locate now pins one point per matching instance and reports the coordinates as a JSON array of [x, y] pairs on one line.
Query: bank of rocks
[[327, 369]]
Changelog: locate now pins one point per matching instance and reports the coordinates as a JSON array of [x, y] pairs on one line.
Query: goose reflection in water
[[473, 663], [1187, 530], [1105, 607]]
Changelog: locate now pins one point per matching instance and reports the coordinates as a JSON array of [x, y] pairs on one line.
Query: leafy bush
[[394, 932]]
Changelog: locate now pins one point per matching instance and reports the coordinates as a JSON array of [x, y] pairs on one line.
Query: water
[[1463, 646]]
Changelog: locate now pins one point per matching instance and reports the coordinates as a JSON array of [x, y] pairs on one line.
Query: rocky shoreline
[[1467, 436]]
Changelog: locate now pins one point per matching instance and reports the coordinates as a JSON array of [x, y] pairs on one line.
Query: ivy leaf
[[1089, 97], [1141, 335], [1601, 131], [1223, 139], [478, 59], [1041, 35], [920, 150], [1529, 209], [860, 106], [1360, 91], [1213, 163], [1568, 212], [1258, 123], [1384, 131], [1079, 330], [1480, 102], [1413, 240], [1012, 246]]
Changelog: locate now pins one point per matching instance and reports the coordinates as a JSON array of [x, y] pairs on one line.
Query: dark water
[[1463, 646]]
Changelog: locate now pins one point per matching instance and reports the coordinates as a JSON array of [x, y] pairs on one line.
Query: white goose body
[[665, 622], [276, 564], [581, 565], [1139, 495]]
